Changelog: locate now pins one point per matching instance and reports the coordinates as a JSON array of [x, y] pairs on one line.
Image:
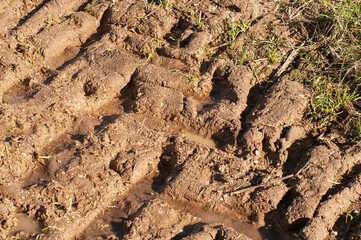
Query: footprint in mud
[[171, 96], [200, 139]]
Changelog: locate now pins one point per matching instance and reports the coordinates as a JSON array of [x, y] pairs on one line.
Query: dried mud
[[116, 124]]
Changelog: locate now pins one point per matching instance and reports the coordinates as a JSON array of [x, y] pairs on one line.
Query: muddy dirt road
[[125, 120]]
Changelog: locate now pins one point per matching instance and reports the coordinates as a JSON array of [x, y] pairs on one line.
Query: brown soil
[[116, 123]]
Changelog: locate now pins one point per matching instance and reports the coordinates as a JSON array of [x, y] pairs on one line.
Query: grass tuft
[[331, 60], [328, 100], [231, 31], [197, 19], [164, 3]]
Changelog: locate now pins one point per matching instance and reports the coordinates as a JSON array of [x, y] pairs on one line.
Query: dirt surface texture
[[128, 120]]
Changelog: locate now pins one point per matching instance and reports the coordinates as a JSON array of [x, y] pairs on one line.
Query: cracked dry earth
[[112, 129]]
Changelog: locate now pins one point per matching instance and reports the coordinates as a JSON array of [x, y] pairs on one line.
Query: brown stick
[[286, 64], [216, 47]]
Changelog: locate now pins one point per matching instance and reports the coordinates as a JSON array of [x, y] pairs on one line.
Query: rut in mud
[[118, 123]]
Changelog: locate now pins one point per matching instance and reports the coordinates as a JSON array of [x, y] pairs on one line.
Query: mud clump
[[150, 120], [282, 111]]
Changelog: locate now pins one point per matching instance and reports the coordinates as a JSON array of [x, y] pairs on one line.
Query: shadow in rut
[[165, 167], [106, 121], [118, 227], [27, 16], [188, 230]]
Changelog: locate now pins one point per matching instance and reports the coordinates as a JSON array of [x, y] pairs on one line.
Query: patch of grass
[[23, 48], [327, 100], [352, 220], [197, 19], [342, 20], [48, 22], [139, 93], [148, 51], [172, 37], [164, 3], [272, 53], [231, 31], [192, 77], [273, 56], [341, 24], [243, 57], [88, 8], [40, 157], [224, 45], [331, 60]]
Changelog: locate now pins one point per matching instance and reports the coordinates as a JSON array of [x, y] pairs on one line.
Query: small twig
[[326, 140], [106, 75], [333, 182], [216, 47], [255, 75], [260, 185], [70, 205], [303, 168], [285, 65], [300, 9], [150, 13]]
